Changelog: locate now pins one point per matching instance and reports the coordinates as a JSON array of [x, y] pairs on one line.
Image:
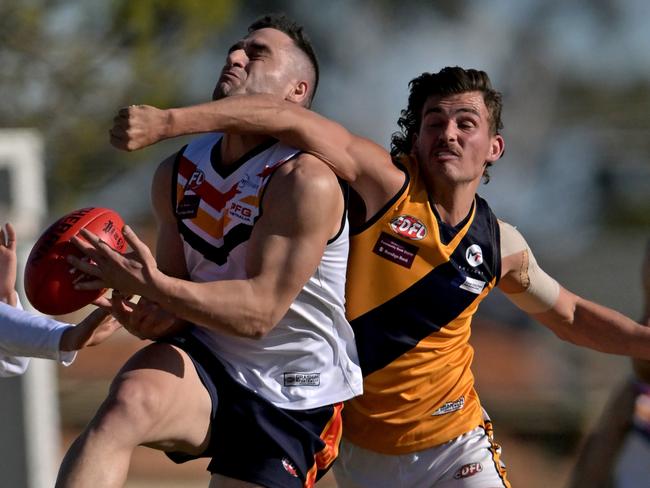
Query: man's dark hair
[[296, 32], [448, 81]]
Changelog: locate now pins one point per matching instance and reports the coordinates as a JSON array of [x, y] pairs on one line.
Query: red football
[[49, 278]]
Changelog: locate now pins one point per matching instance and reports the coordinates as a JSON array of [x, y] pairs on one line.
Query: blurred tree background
[[67, 66]]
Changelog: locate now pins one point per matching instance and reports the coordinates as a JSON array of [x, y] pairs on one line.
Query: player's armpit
[[523, 281]]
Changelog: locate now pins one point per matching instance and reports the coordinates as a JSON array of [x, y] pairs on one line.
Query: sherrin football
[[49, 278]]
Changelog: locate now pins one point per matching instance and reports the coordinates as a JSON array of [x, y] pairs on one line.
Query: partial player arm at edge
[[570, 317], [23, 333]]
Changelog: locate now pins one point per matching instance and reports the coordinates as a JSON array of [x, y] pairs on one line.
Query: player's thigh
[[468, 461], [160, 386], [472, 460], [220, 481], [357, 467]]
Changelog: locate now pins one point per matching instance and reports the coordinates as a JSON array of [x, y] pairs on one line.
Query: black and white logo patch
[[474, 255], [301, 379]]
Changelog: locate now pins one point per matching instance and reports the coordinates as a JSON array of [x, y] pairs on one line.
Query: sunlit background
[[575, 178]]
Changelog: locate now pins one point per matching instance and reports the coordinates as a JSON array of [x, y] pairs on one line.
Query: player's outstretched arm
[[569, 316], [367, 166], [285, 248]]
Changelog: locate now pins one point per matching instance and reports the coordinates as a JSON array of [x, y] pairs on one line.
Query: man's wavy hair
[[297, 33], [448, 81]]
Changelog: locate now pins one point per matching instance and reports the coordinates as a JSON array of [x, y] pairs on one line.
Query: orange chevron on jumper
[[207, 192]]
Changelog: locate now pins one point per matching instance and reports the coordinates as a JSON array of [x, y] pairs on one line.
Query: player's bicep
[[523, 281], [367, 166], [302, 207]]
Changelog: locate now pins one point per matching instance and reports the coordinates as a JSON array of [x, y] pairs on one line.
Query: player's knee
[[131, 403]]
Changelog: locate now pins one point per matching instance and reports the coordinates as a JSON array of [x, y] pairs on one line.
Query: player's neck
[[452, 203], [235, 146]]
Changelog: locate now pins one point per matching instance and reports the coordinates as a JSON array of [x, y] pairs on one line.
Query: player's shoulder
[[305, 177], [512, 241], [306, 172]]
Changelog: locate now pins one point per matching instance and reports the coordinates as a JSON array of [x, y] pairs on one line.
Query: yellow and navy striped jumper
[[413, 285]]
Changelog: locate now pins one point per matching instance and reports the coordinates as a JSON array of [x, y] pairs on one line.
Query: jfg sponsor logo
[[242, 211], [468, 470], [301, 379], [409, 227]]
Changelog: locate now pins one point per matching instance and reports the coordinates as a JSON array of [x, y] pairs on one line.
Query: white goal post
[[29, 412]]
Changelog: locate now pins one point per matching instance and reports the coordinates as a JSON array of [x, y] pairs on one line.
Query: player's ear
[[299, 92], [497, 146]]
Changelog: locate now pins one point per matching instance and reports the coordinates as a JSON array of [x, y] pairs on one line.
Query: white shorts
[[468, 461]]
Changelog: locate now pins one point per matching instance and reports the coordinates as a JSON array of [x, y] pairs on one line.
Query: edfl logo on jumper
[[409, 227], [474, 255]]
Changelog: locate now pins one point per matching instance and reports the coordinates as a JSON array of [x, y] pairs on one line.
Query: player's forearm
[[588, 324], [234, 307], [26, 334], [249, 114]]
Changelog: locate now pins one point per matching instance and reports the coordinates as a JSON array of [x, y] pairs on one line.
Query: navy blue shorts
[[253, 440]]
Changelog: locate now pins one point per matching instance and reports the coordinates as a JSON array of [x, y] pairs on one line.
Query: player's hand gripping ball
[[49, 278]]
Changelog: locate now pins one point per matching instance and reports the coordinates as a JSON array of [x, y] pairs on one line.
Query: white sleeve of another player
[[540, 290], [24, 334]]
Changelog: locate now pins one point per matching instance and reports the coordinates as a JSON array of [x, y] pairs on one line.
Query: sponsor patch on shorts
[[450, 407], [301, 379], [468, 470], [289, 467]]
